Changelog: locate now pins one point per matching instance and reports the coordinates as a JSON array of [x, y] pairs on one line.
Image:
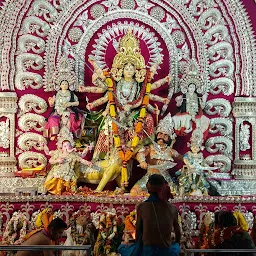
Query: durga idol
[[127, 91]]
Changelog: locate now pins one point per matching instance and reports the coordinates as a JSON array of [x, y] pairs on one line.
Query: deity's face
[[64, 85], [66, 146], [162, 138], [195, 148], [191, 88], [129, 71]]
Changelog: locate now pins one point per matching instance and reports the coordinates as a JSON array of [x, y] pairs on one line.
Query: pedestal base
[[8, 185], [235, 187]]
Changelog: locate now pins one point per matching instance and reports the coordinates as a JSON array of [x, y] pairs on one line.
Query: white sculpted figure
[[244, 137]]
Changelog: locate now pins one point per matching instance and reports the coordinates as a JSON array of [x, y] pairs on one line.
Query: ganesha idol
[[66, 165], [127, 90]]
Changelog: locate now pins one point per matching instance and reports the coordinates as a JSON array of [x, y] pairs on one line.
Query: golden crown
[[128, 52]]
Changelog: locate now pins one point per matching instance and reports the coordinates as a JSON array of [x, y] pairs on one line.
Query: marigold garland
[[222, 234], [130, 223], [126, 156], [241, 220], [106, 223]]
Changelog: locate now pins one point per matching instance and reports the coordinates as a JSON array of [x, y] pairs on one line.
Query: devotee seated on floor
[[44, 237], [229, 235]]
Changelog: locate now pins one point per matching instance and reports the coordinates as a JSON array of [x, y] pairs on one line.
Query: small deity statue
[[193, 176], [244, 137], [109, 234], [80, 232], [127, 89], [158, 157], [62, 176], [64, 103], [190, 103], [82, 228]]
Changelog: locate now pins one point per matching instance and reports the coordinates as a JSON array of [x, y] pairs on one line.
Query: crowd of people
[[157, 229]]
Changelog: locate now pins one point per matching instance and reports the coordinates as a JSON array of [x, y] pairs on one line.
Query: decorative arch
[[211, 32]]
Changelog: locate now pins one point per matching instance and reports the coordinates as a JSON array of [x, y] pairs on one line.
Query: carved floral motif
[[213, 33], [30, 121], [31, 159], [244, 136], [29, 102]]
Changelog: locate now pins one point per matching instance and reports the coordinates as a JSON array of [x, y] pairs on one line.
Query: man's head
[[165, 131], [227, 219], [157, 184], [56, 228], [156, 181], [216, 218]]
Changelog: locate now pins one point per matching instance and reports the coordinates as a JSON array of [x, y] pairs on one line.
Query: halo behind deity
[[65, 72], [192, 76]]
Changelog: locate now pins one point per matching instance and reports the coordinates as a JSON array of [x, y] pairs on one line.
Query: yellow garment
[[57, 186], [241, 220], [44, 218], [62, 177]]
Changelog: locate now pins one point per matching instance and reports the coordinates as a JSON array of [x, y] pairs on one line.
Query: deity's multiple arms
[[85, 162], [161, 82]]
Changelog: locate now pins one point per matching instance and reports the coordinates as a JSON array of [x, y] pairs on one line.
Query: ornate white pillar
[[244, 111], [8, 109]]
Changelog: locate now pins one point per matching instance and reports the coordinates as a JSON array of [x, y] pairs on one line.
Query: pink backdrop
[[181, 142]]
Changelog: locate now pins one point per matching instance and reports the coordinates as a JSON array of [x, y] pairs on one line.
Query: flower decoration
[[109, 232], [130, 224], [82, 228], [126, 156], [16, 229]]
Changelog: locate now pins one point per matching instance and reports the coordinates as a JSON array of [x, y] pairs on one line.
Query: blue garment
[[153, 198], [174, 250], [126, 250], [134, 249]]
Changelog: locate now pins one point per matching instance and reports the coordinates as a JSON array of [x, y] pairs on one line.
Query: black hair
[[227, 219], [168, 143], [57, 223], [182, 108], [156, 180], [64, 81], [216, 218], [74, 109]]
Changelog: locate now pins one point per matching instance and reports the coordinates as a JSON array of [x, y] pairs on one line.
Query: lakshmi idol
[[127, 125], [64, 103]]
